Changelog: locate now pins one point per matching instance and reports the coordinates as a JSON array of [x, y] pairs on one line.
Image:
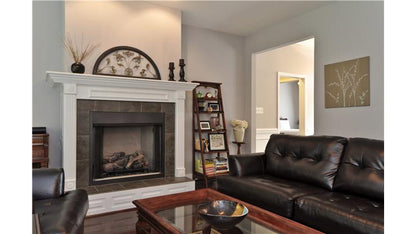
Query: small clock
[[208, 95]]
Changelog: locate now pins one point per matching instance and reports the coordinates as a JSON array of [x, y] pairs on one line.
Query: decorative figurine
[[181, 71], [171, 68], [206, 145], [199, 95]]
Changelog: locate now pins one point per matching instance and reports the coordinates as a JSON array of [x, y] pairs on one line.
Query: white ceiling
[[239, 17]]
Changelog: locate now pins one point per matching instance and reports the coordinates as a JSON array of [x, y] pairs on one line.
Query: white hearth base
[[121, 200]]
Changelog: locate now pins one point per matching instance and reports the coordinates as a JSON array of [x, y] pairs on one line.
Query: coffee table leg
[[142, 227]]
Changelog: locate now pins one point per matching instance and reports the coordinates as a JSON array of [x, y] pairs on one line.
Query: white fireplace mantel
[[101, 87]]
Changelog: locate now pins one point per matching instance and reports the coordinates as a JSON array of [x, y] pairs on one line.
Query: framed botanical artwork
[[347, 83], [214, 106], [205, 125], [216, 141]]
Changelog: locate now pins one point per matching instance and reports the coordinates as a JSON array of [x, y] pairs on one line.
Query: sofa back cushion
[[310, 159], [362, 168]]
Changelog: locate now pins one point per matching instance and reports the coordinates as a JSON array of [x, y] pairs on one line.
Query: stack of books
[[221, 165], [209, 167], [198, 165]]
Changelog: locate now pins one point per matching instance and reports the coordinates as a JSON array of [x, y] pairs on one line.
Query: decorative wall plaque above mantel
[[126, 61]]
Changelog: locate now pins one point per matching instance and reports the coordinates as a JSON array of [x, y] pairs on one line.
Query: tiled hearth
[[83, 93]]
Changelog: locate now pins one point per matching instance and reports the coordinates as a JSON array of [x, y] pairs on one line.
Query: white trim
[[262, 137], [99, 87], [121, 200]]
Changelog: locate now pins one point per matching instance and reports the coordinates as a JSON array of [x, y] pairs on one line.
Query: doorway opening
[[282, 91]]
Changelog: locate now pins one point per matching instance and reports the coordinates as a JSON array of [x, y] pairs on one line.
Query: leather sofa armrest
[[246, 164], [47, 183]]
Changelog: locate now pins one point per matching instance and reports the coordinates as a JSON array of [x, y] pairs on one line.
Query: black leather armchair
[[333, 184], [58, 211]]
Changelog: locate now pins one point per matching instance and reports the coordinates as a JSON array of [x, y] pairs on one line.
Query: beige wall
[[294, 59], [153, 29]]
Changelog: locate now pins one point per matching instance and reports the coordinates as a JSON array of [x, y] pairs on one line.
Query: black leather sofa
[[58, 211], [332, 184]]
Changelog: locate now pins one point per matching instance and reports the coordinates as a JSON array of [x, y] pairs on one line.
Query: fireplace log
[[117, 165], [119, 161], [136, 157], [113, 157]]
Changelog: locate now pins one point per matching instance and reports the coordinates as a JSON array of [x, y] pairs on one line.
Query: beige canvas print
[[347, 83]]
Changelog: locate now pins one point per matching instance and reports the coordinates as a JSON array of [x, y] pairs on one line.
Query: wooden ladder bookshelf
[[209, 160]]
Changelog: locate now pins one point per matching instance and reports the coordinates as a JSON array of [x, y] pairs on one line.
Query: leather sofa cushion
[[362, 168], [63, 215], [47, 183], [340, 213], [246, 165], [268, 192], [311, 159]]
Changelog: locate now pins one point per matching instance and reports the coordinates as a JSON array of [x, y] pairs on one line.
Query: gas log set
[[122, 162]]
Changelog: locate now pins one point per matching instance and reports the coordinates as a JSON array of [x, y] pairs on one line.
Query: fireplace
[[126, 146]]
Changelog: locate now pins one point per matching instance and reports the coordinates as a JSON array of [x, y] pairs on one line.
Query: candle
[[181, 62]]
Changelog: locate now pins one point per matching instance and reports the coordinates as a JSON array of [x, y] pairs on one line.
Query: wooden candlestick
[[171, 68], [181, 71]]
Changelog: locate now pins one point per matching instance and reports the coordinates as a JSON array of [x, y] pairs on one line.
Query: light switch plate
[[259, 110]]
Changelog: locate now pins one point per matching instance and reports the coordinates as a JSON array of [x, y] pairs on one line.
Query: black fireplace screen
[[126, 146]]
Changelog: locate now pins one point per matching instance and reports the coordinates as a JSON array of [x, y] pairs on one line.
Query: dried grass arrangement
[[81, 52]]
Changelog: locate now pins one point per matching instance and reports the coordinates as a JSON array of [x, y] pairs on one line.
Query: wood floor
[[123, 222]]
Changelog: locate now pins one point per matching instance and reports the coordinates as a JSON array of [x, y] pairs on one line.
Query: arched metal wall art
[[126, 61]]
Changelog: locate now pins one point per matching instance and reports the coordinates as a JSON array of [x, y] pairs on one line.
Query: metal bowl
[[223, 214]]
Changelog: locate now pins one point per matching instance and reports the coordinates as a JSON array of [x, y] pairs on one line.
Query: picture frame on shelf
[[205, 125], [214, 106], [216, 141]]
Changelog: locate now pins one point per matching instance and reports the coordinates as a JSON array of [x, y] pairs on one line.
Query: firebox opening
[[126, 146]]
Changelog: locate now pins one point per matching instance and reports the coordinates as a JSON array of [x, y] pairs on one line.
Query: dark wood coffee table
[[177, 213]]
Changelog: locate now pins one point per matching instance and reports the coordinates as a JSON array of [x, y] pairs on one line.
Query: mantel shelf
[[54, 77]]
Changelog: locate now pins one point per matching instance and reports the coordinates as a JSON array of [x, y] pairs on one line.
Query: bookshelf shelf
[[207, 162]]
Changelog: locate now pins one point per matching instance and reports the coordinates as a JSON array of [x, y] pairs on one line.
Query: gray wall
[[48, 54], [217, 57], [342, 31]]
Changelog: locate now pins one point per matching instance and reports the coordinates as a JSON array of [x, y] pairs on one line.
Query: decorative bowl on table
[[223, 214]]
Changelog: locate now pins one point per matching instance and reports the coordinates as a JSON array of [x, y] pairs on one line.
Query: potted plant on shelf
[[239, 128], [78, 53]]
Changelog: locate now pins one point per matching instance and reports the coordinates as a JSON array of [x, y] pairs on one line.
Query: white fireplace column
[[101, 87]]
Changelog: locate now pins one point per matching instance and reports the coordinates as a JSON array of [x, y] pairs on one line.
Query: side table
[[238, 145]]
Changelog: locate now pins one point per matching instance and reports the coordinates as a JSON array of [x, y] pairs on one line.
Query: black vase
[[77, 68]]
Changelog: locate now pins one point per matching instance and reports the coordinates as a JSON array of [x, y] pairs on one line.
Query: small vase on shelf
[[77, 68]]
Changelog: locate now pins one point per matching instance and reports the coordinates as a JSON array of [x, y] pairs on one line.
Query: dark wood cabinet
[[40, 150]]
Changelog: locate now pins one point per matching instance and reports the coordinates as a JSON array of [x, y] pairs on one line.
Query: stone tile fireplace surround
[[81, 93], [85, 107]]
